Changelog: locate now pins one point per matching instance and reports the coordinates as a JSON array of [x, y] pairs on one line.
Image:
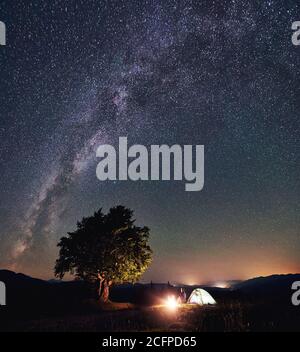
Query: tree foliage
[[107, 243]]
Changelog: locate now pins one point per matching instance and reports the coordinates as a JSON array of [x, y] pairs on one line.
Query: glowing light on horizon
[[221, 284]]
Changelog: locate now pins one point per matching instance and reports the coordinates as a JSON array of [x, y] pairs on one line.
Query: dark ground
[[261, 304]]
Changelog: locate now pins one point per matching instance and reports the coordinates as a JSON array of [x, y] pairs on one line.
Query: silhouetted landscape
[[259, 304]]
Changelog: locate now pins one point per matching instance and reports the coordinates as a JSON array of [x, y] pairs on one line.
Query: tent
[[200, 296]]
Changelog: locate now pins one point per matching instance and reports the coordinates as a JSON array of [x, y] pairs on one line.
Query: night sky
[[77, 74]]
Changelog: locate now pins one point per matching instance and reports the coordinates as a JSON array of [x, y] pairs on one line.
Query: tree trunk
[[105, 293]]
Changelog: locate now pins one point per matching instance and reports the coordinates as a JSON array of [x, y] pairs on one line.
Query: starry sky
[[77, 74]]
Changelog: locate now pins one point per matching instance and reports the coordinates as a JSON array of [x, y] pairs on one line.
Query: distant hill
[[275, 288], [30, 296], [262, 282], [19, 279]]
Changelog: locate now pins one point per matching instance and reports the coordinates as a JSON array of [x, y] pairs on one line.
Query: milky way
[[76, 74]]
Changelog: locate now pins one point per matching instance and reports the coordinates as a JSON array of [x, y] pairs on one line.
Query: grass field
[[234, 317]]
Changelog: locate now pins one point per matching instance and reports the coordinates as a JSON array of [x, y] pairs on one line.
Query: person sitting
[[182, 296]]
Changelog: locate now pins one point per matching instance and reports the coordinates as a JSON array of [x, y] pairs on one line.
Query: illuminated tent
[[200, 296]]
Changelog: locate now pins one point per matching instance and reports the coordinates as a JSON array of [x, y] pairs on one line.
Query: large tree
[[108, 247]]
